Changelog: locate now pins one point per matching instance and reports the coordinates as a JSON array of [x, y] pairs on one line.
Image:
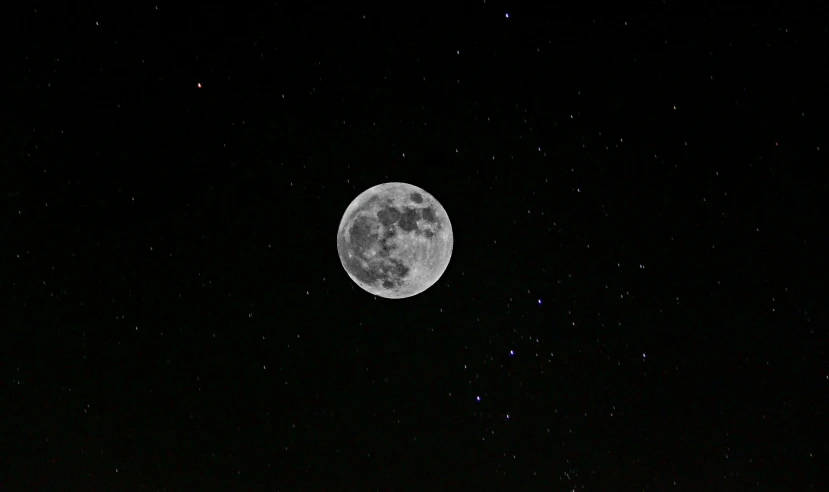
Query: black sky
[[635, 299]]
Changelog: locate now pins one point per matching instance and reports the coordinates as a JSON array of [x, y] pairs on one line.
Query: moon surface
[[425, 259]]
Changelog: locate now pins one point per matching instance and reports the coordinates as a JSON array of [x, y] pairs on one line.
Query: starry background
[[633, 300]]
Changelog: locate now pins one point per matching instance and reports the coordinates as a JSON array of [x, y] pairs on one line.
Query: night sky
[[635, 298]]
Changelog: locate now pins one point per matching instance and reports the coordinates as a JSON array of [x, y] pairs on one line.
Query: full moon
[[395, 240]]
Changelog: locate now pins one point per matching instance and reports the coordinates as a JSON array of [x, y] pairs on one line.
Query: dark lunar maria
[[372, 240]]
